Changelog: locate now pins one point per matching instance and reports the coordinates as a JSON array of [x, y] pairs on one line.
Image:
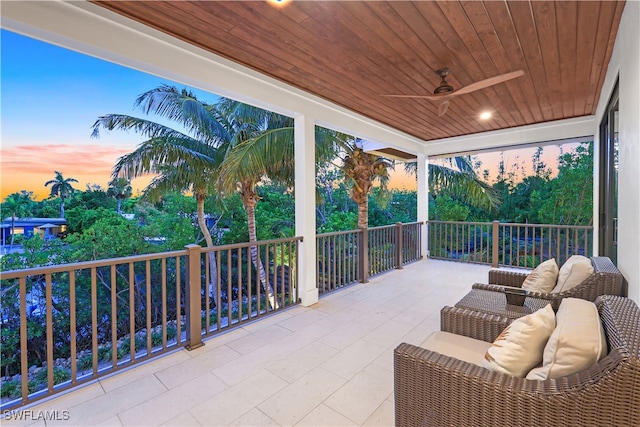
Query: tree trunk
[[249, 200], [213, 267], [363, 213], [62, 207], [119, 208]]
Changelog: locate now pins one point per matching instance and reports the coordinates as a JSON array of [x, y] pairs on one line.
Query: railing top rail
[[459, 222], [249, 244], [577, 227], [58, 268], [338, 233], [382, 227]]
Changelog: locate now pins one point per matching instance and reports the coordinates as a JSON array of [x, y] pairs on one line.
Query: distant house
[[48, 228]]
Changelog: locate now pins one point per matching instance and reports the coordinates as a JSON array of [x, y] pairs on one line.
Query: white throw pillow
[[543, 278], [519, 347], [577, 342], [573, 272]]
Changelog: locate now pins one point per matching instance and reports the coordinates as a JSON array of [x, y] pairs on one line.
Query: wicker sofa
[[432, 389], [606, 279]]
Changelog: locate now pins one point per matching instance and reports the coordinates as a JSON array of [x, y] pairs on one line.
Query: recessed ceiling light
[[278, 3], [485, 115]]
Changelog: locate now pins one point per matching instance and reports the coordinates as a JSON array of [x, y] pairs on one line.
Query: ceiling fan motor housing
[[443, 88]]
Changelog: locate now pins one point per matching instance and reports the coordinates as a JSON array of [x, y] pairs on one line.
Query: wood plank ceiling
[[353, 52]]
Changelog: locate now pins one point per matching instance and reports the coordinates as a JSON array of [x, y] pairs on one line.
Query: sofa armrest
[[431, 389], [472, 324], [490, 287], [507, 277]]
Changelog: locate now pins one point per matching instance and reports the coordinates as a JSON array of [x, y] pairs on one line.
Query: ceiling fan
[[444, 92]]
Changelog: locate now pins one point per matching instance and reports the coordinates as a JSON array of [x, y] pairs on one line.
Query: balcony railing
[[522, 245], [65, 325], [69, 324], [342, 260]]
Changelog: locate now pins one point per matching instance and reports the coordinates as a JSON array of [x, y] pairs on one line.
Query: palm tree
[[271, 154], [183, 160], [459, 179], [16, 205], [258, 145], [363, 169], [120, 189], [61, 187]]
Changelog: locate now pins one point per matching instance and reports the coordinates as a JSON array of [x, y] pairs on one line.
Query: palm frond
[[464, 185], [165, 151], [182, 106], [268, 155], [146, 128]]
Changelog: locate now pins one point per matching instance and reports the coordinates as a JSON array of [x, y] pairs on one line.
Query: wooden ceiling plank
[[566, 13], [310, 67], [349, 53], [425, 42], [375, 47], [500, 16], [510, 92], [444, 56], [588, 18], [525, 26], [471, 39], [406, 44], [605, 34], [366, 23], [545, 19], [419, 50], [365, 73], [464, 69]]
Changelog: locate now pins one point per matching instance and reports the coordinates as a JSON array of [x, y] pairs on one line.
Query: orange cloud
[[29, 167]]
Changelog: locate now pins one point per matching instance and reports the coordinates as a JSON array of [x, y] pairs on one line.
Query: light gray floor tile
[[330, 364]]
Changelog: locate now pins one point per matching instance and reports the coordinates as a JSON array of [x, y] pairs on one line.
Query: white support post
[[423, 200], [305, 192]]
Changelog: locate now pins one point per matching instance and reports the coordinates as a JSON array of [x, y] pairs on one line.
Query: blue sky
[[50, 98]]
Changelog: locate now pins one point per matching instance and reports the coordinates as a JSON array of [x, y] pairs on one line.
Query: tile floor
[[326, 365]]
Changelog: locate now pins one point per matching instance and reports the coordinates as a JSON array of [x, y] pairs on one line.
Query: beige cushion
[[543, 278], [573, 272], [577, 342], [458, 346], [519, 347]]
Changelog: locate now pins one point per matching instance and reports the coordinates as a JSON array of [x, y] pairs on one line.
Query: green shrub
[[60, 375], [85, 362], [10, 389]]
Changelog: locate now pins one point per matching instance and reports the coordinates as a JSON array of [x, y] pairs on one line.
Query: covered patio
[[573, 56], [328, 364], [329, 360]]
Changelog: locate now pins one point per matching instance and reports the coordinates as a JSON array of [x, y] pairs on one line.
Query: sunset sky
[[50, 98]]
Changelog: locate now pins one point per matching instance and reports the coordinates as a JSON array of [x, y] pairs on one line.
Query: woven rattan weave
[[435, 390]]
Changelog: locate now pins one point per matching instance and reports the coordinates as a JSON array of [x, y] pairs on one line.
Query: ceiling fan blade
[[429, 97], [442, 108], [488, 82]]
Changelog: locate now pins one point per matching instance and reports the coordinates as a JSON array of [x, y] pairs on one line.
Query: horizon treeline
[[95, 229]]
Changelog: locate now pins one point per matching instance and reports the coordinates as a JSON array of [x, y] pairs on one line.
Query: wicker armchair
[[605, 280], [435, 390]]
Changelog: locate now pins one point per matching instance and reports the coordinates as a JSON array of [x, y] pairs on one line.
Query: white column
[[305, 192], [423, 198]]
